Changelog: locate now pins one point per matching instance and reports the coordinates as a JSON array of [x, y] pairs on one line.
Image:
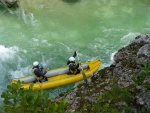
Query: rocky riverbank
[[130, 72]]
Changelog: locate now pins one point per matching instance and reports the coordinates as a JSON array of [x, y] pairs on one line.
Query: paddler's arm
[[73, 66], [39, 73], [75, 54]]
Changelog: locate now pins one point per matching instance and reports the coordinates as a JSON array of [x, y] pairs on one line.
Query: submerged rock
[[10, 3]]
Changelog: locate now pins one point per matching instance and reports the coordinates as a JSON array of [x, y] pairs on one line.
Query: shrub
[[145, 72], [17, 99]]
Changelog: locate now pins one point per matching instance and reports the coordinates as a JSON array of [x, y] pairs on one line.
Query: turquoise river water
[[50, 30]]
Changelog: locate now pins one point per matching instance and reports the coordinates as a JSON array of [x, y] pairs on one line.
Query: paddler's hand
[[47, 70], [78, 64], [75, 53]]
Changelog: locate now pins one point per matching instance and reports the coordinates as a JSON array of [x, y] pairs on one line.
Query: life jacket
[[38, 78], [72, 71]]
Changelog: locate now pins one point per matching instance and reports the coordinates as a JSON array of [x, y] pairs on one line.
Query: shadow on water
[[71, 1]]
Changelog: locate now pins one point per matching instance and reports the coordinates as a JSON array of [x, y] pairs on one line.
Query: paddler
[[38, 71], [73, 67]]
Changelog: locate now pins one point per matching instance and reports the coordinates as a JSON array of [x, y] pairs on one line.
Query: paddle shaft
[[83, 74]]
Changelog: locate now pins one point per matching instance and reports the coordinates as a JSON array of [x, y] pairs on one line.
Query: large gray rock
[[127, 65]]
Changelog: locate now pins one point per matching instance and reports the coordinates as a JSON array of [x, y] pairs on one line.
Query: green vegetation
[[139, 80], [19, 100], [107, 102]]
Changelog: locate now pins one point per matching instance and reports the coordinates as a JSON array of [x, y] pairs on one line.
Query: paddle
[[83, 74]]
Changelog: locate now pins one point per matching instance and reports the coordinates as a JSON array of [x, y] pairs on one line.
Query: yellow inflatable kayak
[[59, 77]]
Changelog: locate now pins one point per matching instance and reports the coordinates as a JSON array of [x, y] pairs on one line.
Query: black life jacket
[[37, 77], [72, 71]]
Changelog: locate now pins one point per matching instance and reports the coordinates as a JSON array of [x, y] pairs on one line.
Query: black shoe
[[46, 79], [34, 81]]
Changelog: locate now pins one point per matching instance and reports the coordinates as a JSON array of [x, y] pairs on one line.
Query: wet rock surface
[[10, 3]]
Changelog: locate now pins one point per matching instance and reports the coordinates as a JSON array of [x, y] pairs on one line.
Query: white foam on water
[[37, 41], [25, 71], [29, 18], [21, 72], [109, 63], [46, 42], [129, 36], [7, 57], [112, 29], [7, 53], [67, 47], [112, 56], [10, 59]]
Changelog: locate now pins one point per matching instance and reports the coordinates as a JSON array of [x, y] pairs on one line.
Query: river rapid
[[49, 31]]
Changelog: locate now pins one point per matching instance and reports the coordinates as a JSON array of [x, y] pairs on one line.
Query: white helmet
[[71, 59], [35, 63]]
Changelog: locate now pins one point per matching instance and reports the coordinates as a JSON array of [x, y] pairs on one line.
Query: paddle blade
[[84, 77]]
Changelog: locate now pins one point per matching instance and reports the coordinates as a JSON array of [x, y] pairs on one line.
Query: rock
[[144, 99], [126, 66], [10, 3], [120, 103]]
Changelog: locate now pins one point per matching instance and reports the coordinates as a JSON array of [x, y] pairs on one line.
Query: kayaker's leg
[[78, 71], [69, 73], [45, 79], [39, 79], [34, 81]]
